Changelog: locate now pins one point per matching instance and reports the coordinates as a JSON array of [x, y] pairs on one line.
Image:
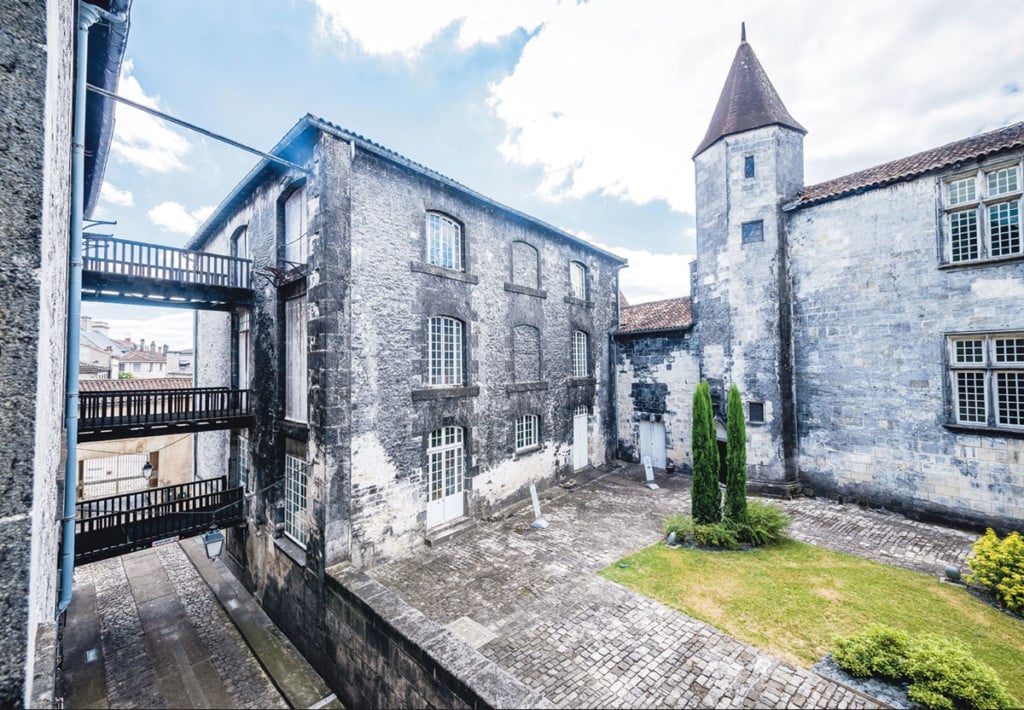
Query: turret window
[[753, 232]]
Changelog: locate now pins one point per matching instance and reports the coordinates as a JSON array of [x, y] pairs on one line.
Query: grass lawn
[[793, 599]]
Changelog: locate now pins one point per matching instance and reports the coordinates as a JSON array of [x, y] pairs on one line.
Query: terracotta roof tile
[[136, 383], [670, 314], [946, 156], [142, 356]]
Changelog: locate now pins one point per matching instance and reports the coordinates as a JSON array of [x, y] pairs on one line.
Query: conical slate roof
[[748, 101]]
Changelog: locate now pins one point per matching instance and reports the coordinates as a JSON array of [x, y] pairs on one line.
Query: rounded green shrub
[[998, 566], [878, 650], [765, 524]]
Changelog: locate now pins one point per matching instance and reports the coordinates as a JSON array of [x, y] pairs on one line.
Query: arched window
[[580, 354], [526, 354], [525, 265], [444, 242], [445, 351], [577, 280]]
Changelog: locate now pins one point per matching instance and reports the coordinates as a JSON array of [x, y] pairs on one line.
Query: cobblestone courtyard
[[531, 600]]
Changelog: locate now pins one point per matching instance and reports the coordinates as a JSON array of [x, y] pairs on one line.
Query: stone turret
[[748, 165]]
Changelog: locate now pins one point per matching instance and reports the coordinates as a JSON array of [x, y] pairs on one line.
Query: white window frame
[[970, 202], [578, 280], [580, 354], [296, 478], [446, 462], [244, 352], [986, 375], [446, 348], [296, 346], [444, 242], [244, 460], [296, 228], [527, 432]]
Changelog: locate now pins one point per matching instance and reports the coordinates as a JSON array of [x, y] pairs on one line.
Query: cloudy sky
[[583, 114]]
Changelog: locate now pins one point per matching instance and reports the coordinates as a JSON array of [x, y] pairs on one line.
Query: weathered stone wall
[[657, 374], [393, 295], [871, 309], [739, 289], [35, 129]]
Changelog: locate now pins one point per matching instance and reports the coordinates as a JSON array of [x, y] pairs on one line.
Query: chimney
[[102, 326], [165, 349], [142, 343], [152, 347], [86, 324]]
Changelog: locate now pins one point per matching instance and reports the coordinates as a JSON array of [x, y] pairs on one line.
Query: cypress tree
[[705, 497], [735, 460]]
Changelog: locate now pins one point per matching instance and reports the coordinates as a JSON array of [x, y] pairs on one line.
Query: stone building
[[418, 355], [37, 56], [873, 322]]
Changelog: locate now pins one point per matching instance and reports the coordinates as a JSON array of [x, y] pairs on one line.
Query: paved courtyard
[[531, 601]]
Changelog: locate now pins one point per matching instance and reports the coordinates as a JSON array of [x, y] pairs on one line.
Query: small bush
[[766, 524], [681, 525], [942, 673], [998, 566], [716, 535], [878, 650]]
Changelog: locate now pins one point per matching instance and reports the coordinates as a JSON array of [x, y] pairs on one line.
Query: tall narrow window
[[445, 462], [296, 236], [577, 280], [444, 242], [244, 463], [295, 382], [445, 356], [244, 354], [296, 470], [527, 432], [748, 166], [580, 351]]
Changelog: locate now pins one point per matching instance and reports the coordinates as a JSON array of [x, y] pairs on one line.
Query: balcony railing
[[124, 271], [153, 261], [115, 525], [117, 415]]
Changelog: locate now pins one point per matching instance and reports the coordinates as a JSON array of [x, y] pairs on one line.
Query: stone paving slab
[[162, 638], [583, 641]]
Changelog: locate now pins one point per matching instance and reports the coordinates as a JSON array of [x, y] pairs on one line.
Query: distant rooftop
[[136, 383], [669, 314], [945, 156]]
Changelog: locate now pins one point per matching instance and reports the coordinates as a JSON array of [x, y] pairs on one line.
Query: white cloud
[[174, 217], [612, 98], [173, 329], [404, 28], [140, 139], [649, 276], [114, 196]]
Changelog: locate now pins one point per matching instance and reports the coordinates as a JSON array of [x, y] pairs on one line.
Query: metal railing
[[114, 525], [101, 410], [153, 261]]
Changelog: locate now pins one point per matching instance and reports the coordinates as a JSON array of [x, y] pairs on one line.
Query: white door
[[445, 470], [580, 444], [652, 443]]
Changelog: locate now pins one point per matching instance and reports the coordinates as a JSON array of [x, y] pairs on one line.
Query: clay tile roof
[[945, 156], [748, 101], [142, 356], [87, 368], [136, 383], [670, 314]]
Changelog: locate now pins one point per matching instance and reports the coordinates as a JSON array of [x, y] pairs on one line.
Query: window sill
[[581, 381], [526, 290], [572, 300], [424, 268], [984, 430], [292, 549], [293, 430], [989, 261], [526, 451], [525, 387], [427, 394]]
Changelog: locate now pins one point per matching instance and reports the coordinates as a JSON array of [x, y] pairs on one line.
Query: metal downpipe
[[87, 16]]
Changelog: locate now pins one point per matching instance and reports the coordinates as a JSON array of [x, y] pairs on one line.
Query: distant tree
[[705, 497], [735, 460], [125, 376]]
